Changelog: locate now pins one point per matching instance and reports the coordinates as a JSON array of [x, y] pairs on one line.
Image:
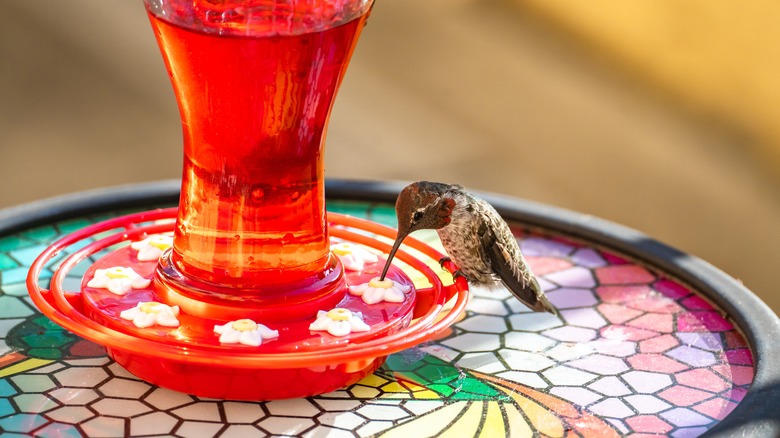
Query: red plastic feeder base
[[296, 362]]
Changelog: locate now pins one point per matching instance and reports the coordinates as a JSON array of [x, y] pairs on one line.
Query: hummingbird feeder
[[248, 290]]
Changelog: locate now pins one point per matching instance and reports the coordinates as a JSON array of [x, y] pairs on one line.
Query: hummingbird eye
[[417, 216]]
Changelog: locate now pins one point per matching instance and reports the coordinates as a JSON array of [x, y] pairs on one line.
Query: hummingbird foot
[[459, 273], [444, 260]]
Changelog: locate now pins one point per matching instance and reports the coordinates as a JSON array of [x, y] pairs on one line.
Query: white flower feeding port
[[118, 280], [339, 322], [354, 257], [150, 313], [152, 248], [377, 291], [245, 332]]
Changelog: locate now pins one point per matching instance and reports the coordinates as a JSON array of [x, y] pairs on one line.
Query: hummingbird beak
[[396, 245]]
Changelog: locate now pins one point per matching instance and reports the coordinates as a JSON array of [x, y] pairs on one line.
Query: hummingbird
[[474, 235]]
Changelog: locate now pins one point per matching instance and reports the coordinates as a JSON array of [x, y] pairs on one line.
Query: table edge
[[756, 415]]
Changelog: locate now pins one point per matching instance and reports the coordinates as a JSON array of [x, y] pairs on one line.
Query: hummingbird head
[[421, 206]]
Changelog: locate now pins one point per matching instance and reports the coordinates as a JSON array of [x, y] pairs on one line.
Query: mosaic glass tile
[[7, 262], [69, 226], [43, 234], [154, 423], [610, 385], [71, 414], [632, 352], [195, 429], [33, 403], [21, 422], [525, 378], [6, 408], [205, 411], [13, 243], [74, 396], [575, 394], [286, 425]]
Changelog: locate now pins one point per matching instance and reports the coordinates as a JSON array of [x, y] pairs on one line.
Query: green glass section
[[45, 323], [39, 324], [443, 390], [438, 373], [462, 395], [477, 387], [15, 435], [61, 430], [27, 255], [351, 208], [41, 234], [383, 214], [77, 246], [100, 217], [17, 290], [6, 390], [5, 407], [46, 340], [105, 216], [80, 268], [6, 262], [15, 275], [439, 376], [404, 361], [19, 275], [13, 242], [72, 283], [13, 307], [40, 338], [44, 353], [69, 226], [108, 233], [22, 423]]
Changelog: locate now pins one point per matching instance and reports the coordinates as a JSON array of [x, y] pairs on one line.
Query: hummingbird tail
[[532, 295], [542, 303]]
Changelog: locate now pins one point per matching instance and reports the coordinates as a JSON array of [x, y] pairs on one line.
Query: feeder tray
[[191, 359]]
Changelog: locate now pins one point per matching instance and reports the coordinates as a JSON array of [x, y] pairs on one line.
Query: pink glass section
[[667, 353]]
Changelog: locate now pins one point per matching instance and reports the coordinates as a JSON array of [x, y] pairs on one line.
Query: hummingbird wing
[[506, 261]]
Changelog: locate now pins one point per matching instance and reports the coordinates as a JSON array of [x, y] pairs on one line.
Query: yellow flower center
[[382, 284], [339, 314], [151, 307], [244, 325], [117, 273], [160, 242], [342, 249]]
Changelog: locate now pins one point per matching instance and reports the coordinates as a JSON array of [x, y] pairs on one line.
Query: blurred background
[[656, 114]]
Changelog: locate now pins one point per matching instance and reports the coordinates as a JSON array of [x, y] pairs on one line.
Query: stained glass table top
[[633, 352]]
